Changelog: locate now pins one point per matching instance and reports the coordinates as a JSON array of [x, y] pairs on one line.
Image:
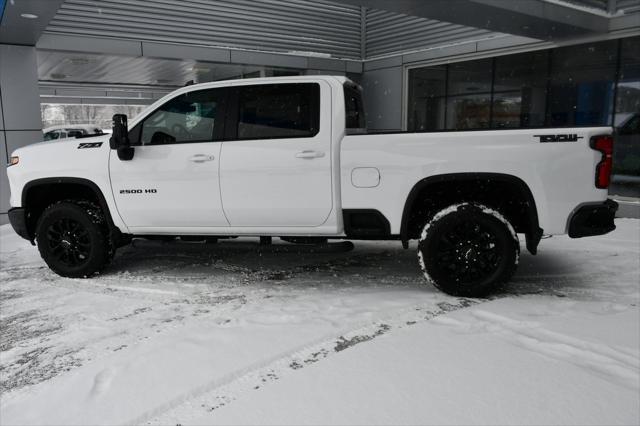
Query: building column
[[20, 120]]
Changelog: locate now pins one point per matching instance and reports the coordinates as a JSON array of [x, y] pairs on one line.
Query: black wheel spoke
[[467, 252], [69, 242]]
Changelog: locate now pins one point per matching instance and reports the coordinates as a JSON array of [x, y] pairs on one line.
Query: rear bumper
[[18, 220], [593, 219]]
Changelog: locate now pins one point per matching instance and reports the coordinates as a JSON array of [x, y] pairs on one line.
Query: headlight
[[14, 161]]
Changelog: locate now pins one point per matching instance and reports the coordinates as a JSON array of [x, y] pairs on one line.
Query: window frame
[[233, 116], [135, 133]]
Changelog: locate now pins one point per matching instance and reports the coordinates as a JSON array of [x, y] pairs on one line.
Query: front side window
[[187, 118], [278, 111]]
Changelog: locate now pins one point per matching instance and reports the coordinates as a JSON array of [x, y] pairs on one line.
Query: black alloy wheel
[[73, 239], [468, 250], [69, 242]]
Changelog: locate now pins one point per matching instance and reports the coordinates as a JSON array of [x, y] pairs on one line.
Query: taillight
[[604, 144]]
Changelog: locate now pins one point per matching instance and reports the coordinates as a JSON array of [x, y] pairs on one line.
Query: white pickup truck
[[290, 157]]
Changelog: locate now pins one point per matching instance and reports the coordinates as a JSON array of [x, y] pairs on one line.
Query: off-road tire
[[73, 238], [468, 250]]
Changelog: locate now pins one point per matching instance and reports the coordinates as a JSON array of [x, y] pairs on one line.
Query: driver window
[[184, 119]]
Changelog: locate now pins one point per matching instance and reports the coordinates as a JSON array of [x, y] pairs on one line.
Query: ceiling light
[[58, 76], [199, 68], [78, 61], [29, 16]]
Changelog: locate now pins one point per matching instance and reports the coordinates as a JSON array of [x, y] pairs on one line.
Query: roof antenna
[[189, 83]]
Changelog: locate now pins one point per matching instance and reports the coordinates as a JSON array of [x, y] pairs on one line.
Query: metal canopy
[[163, 43], [24, 21], [539, 19]]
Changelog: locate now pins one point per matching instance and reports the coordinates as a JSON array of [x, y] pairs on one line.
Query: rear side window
[[354, 110], [278, 111]]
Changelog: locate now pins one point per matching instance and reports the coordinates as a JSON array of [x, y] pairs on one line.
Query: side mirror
[[120, 138]]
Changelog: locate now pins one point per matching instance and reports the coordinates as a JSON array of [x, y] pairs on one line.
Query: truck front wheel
[[468, 250], [73, 240]]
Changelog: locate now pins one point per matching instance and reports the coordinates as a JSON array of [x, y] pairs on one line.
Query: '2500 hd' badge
[[559, 138], [139, 191]]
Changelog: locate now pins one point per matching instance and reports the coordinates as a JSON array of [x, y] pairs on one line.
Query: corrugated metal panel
[[392, 33], [629, 6], [273, 25]]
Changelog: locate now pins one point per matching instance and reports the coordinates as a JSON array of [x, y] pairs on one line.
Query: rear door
[[276, 158], [172, 181]]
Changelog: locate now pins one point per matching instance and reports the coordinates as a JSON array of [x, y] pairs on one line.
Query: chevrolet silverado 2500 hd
[[290, 157]]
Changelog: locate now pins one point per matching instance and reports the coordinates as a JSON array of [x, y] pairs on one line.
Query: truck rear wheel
[[73, 240], [468, 250]]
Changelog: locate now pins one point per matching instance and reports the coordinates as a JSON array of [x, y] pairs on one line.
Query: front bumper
[[593, 219], [18, 220]]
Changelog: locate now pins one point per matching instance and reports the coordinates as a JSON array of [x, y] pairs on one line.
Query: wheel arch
[[39, 193], [530, 226]]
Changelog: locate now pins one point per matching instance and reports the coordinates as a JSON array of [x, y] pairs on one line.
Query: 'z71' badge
[[90, 145], [558, 138]]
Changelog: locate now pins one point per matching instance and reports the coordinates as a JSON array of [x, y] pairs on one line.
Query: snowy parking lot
[[236, 333]]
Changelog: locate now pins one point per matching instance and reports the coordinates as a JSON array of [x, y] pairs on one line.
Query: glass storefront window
[[507, 111], [468, 112], [469, 95], [626, 149], [469, 77], [581, 84], [427, 98], [520, 90], [98, 115]]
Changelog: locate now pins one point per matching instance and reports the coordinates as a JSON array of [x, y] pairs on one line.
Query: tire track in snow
[[615, 365], [229, 388]]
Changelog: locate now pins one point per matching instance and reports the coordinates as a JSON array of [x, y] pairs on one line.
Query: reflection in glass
[[581, 84], [426, 98], [468, 112], [469, 77], [520, 90], [626, 149]]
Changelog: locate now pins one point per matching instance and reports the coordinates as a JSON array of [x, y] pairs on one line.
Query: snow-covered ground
[[234, 333]]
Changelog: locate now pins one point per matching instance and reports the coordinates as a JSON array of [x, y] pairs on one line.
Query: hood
[[34, 147]]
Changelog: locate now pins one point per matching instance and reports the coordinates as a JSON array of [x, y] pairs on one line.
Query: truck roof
[[264, 80]]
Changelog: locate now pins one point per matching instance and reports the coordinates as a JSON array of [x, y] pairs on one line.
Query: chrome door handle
[[201, 158], [310, 154]]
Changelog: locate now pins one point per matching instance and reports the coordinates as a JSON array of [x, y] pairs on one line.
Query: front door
[[276, 158], [172, 181]]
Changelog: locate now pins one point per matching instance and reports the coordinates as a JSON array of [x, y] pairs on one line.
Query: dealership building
[[424, 65]]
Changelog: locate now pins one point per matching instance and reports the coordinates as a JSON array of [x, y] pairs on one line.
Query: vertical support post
[[20, 116]]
